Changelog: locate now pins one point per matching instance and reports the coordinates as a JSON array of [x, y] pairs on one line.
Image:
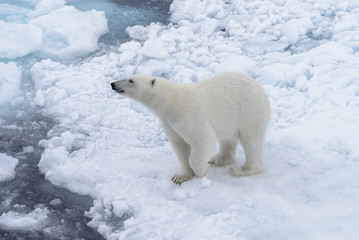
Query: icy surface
[[7, 167], [304, 53]]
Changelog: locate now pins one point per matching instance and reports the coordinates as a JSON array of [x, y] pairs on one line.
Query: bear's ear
[[153, 82]]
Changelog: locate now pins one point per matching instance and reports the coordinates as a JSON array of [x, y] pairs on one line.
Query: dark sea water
[[22, 128]]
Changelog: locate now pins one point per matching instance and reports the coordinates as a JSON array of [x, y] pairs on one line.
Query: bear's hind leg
[[253, 148], [226, 154]]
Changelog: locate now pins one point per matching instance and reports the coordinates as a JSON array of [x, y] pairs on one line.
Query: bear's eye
[[131, 81], [153, 82]]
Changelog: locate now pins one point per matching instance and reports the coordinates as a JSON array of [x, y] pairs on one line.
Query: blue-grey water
[[25, 126]]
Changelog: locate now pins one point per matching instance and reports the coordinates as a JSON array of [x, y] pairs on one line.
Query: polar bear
[[227, 107]]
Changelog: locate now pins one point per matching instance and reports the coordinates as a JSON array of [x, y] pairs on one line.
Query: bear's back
[[232, 97]]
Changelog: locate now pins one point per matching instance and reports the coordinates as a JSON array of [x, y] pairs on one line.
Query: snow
[[154, 67], [32, 221], [7, 167], [304, 53], [154, 49], [10, 79]]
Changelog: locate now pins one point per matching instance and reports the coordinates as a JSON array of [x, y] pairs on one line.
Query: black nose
[[113, 85]]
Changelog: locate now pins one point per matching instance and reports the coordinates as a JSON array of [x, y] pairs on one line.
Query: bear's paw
[[180, 178]]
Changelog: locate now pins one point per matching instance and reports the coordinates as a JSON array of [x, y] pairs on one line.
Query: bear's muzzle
[[113, 85], [116, 88]]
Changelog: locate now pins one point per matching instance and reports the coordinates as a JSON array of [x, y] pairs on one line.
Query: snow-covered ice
[[33, 221], [303, 52], [7, 167]]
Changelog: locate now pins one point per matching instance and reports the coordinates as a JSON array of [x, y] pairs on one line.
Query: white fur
[[227, 107]]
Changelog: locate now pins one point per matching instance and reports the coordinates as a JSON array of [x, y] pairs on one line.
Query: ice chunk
[[28, 149], [346, 23], [7, 167], [32, 221], [129, 46], [69, 33], [39, 99], [214, 10], [54, 29], [222, 24], [187, 10], [120, 208], [125, 57], [281, 74], [154, 48], [55, 202], [10, 78], [53, 157], [142, 33], [235, 63], [68, 140], [293, 29], [137, 32], [154, 67], [18, 39], [128, 52]]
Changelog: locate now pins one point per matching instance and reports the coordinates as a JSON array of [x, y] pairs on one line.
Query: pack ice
[[304, 53], [29, 31]]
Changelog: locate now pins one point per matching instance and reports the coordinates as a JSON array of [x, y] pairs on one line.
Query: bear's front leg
[[182, 150], [201, 152]]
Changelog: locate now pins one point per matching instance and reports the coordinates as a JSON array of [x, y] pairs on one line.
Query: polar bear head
[[140, 87]]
